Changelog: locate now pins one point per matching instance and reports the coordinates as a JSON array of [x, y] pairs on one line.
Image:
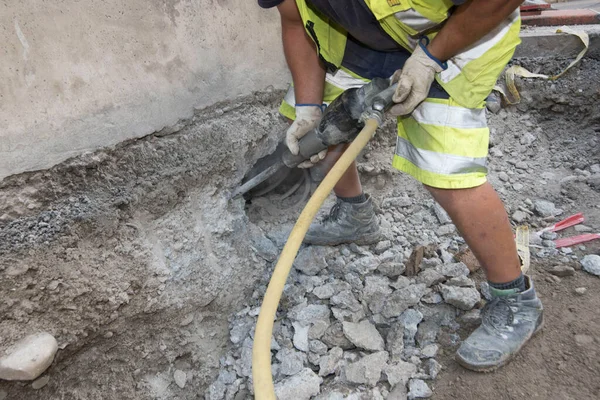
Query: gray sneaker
[[507, 324], [346, 223]]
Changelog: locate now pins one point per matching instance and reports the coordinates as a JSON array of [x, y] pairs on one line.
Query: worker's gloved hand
[[415, 79], [307, 118]]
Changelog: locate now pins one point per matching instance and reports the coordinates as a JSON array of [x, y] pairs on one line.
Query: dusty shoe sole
[[361, 240], [477, 368]]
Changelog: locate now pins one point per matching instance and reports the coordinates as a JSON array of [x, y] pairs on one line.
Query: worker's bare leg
[[349, 184], [516, 312], [479, 215]]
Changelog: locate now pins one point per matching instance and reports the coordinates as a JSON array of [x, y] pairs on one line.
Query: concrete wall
[[76, 75]]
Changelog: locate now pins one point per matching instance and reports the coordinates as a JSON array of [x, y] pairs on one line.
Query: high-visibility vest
[[470, 75]]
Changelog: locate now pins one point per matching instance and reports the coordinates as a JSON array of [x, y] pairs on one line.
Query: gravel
[[591, 264]]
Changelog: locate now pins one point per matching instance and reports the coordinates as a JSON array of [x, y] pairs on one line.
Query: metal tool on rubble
[[341, 123]]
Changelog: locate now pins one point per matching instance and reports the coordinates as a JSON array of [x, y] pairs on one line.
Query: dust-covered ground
[[134, 259]]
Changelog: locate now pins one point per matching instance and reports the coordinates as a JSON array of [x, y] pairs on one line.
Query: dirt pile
[[151, 280]]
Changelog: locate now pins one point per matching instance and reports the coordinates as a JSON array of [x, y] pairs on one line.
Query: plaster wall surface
[[77, 75]]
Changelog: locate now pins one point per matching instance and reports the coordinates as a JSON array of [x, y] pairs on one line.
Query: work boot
[[508, 322], [346, 223]]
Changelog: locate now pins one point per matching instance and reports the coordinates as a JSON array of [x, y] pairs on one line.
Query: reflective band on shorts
[[439, 163], [450, 116], [343, 80]]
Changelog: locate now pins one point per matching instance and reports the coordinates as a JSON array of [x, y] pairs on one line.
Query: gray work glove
[[307, 119], [414, 81]]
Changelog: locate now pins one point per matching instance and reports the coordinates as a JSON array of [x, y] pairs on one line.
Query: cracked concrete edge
[[544, 42]]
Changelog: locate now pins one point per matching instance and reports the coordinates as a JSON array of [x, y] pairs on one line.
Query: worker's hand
[[414, 81], [307, 118]]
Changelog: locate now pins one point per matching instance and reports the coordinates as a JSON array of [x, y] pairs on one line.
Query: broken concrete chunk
[[430, 277], [302, 386], [325, 291], [363, 335], [464, 298], [368, 369], [317, 329], [364, 265], [432, 368], [334, 336], [292, 361], [429, 351], [454, 270], [382, 246], [312, 259], [545, 208], [317, 347], [329, 364], [402, 299], [399, 373], [410, 320], [591, 264], [28, 358], [392, 269], [40, 382], [461, 281], [301, 336], [310, 313], [418, 389], [346, 299]]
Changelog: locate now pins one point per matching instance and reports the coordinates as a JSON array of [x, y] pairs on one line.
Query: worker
[[446, 56]]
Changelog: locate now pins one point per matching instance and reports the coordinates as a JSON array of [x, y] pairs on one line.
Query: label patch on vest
[[392, 3]]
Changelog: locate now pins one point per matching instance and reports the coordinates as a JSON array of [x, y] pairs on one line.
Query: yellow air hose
[[261, 351]]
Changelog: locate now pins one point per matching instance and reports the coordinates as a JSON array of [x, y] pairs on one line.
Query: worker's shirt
[[370, 52]]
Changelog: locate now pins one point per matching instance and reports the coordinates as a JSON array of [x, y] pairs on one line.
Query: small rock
[[329, 363], [430, 277], [527, 139], [410, 320], [301, 336], [395, 341], [583, 340], [302, 386], [334, 336], [521, 165], [28, 358], [402, 299], [364, 335], [396, 202], [382, 246], [345, 299], [503, 176], [461, 281], [429, 351], [324, 292], [549, 235], [580, 291], [317, 329], [317, 347], [310, 313], [545, 208], [517, 186], [418, 389], [240, 329], [399, 373], [582, 228], [312, 259], [398, 393], [292, 361], [562, 270], [364, 265], [460, 297], [180, 378], [441, 214], [471, 318], [519, 216], [392, 269], [446, 230], [590, 263], [368, 369], [40, 382], [432, 298], [454, 270], [432, 368]]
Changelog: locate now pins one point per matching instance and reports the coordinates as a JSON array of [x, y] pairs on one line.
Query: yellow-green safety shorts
[[441, 144]]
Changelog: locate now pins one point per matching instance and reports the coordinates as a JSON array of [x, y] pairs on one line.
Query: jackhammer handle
[[383, 100], [309, 145]]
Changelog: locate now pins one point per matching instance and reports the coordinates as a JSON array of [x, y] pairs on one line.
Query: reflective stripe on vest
[[450, 116], [457, 63], [439, 163]]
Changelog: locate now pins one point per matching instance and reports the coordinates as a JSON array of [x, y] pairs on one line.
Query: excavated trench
[[134, 259]]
